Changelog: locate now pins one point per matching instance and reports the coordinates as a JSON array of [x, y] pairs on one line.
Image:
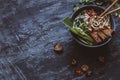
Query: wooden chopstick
[[108, 8], [117, 9]]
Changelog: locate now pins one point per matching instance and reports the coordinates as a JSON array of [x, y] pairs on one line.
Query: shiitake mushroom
[[58, 47]]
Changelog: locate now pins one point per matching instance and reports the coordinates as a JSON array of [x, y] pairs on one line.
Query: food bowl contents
[[58, 47], [89, 28], [98, 29]]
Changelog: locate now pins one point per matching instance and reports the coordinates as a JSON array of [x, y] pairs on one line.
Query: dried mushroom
[[101, 71], [101, 59], [74, 62], [78, 72], [85, 67], [89, 73], [58, 47]]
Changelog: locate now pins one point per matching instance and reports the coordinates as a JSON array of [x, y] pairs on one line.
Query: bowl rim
[[99, 45]]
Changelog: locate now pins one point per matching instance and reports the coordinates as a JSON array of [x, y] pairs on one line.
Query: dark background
[[29, 29]]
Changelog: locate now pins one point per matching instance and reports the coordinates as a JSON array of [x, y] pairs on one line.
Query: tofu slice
[[102, 35], [108, 32], [96, 37]]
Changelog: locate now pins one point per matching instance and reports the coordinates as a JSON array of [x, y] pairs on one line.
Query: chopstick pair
[[106, 11], [117, 9]]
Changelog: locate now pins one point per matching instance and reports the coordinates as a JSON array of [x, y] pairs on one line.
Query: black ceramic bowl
[[98, 10]]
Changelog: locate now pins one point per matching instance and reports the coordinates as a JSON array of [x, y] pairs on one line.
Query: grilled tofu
[[108, 32], [102, 35], [95, 36]]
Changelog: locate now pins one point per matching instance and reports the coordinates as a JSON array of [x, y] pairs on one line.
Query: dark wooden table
[[29, 29]]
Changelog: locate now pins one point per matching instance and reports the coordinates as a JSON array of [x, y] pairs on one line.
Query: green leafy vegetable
[[68, 22], [83, 34], [79, 32], [86, 1], [101, 2], [75, 8], [86, 42]]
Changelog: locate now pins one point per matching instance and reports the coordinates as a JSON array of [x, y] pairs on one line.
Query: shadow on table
[[86, 55]]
